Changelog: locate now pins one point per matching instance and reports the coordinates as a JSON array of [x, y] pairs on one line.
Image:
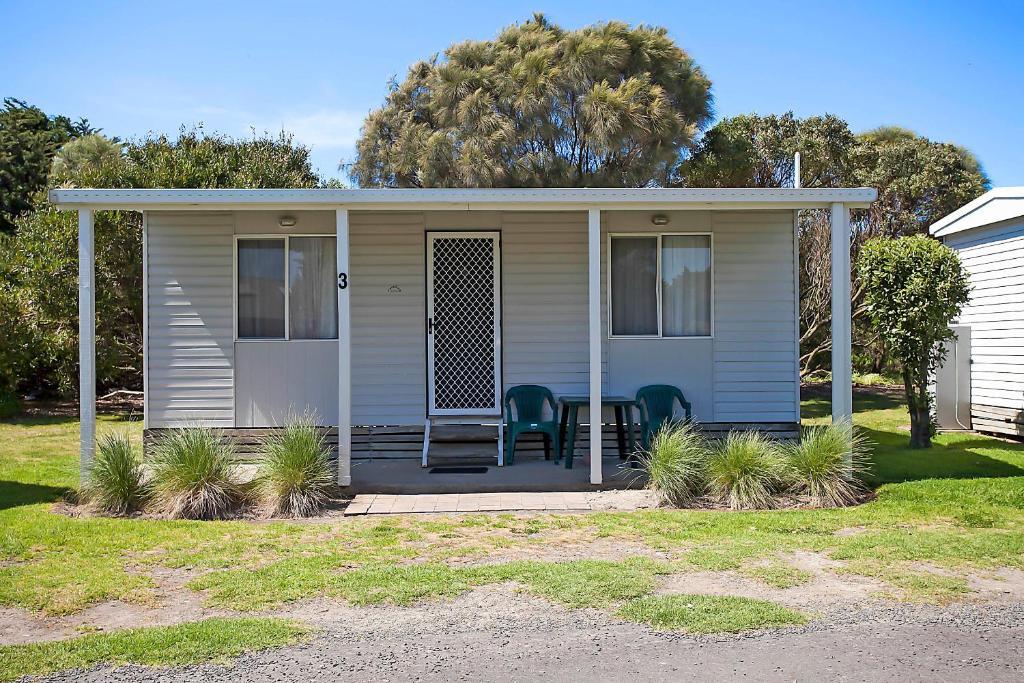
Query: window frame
[[658, 237], [287, 289]]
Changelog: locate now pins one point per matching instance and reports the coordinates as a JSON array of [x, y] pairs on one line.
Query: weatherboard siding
[[190, 362], [756, 363], [197, 372], [994, 258]]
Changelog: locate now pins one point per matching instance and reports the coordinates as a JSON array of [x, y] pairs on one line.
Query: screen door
[[463, 323]]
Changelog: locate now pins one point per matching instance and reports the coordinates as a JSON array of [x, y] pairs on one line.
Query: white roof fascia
[[996, 205], [461, 199]]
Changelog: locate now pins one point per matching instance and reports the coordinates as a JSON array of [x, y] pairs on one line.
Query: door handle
[[430, 326]]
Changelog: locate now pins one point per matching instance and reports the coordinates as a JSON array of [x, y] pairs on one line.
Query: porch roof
[[504, 199]]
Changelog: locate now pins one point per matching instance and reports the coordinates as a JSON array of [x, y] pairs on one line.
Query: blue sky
[[950, 70]]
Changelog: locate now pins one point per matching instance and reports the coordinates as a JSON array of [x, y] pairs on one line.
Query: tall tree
[[757, 151], [40, 273], [28, 140], [606, 105], [918, 180]]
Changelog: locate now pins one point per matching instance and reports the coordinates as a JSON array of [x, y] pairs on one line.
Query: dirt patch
[[1002, 585], [565, 547], [123, 404], [494, 607], [333, 511], [827, 589], [173, 603], [626, 499]]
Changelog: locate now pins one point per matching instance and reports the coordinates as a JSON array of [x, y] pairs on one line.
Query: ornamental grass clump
[[114, 482], [194, 474], [745, 471], [674, 464], [829, 464], [295, 476]]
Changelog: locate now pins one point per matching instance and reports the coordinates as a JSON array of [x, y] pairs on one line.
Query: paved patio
[[563, 501]]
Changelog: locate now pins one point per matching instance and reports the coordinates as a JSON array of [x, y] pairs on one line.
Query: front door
[[463, 323]]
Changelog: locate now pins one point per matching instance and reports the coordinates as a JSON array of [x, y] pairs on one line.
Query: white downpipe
[[594, 301], [86, 341], [344, 353], [842, 365]]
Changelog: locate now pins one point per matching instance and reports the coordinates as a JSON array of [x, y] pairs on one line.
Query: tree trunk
[[915, 386]]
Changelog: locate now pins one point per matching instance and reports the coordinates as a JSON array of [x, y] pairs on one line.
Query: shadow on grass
[[817, 403], [15, 494], [48, 420], [894, 461]]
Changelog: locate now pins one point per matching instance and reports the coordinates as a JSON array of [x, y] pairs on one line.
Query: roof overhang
[[996, 205], [564, 199]]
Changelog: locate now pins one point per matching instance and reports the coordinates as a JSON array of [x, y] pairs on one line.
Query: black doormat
[[458, 470]]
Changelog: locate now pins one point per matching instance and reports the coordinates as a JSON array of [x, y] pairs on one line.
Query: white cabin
[[381, 310], [988, 234]]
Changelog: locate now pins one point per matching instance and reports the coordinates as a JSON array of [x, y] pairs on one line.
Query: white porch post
[[594, 300], [842, 370], [86, 341], [344, 355]]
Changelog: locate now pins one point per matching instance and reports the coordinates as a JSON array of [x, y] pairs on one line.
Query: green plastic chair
[[529, 400], [656, 403]]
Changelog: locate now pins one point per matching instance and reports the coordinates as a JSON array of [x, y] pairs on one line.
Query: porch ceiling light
[[659, 219], [287, 221]]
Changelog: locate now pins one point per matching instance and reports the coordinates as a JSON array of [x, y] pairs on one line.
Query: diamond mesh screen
[[464, 354]]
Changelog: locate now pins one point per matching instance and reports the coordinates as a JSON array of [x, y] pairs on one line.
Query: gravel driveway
[[466, 641]]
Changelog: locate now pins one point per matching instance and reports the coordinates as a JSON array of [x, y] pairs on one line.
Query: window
[[307, 308], [660, 285]]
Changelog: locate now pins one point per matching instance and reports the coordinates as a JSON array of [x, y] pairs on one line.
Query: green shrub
[[829, 464], [746, 470], [295, 475], [194, 474], [114, 480], [674, 464]]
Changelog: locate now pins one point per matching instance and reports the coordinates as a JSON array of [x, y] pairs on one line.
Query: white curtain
[[261, 289], [312, 303], [686, 285], [634, 285]]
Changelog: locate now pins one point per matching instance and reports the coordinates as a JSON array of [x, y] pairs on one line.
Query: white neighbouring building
[[984, 388]]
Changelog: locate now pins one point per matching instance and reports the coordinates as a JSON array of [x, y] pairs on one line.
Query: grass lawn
[[956, 507], [708, 613], [200, 641]]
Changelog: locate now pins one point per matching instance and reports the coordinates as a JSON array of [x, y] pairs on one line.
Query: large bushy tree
[[28, 140], [539, 106], [757, 151], [918, 180], [40, 342], [913, 288]]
